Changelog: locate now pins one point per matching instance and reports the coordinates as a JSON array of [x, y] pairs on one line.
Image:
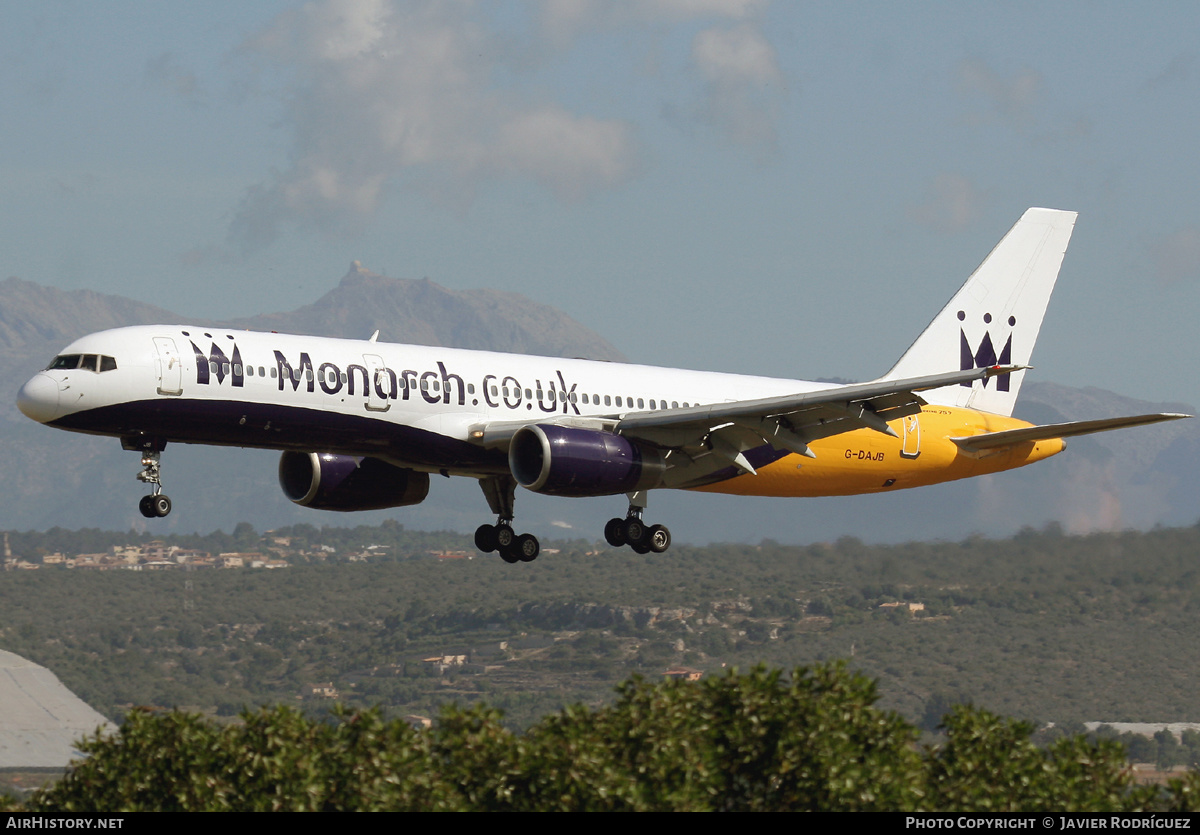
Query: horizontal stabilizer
[[1011, 437]]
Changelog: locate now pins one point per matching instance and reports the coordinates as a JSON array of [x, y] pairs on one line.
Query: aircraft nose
[[38, 398]]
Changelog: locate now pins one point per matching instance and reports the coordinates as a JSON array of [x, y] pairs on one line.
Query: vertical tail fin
[[995, 317]]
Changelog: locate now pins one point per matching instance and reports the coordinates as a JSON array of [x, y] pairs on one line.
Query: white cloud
[[562, 20], [1177, 258], [743, 82], [1010, 99], [953, 204], [1177, 71], [569, 154], [383, 95], [164, 70]]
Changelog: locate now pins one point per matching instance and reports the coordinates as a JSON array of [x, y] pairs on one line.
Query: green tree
[[762, 740], [990, 764]]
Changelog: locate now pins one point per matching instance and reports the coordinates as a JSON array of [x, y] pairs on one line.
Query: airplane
[[363, 424]]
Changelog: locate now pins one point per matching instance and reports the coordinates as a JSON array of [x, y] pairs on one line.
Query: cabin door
[[911, 447], [378, 383], [168, 365]]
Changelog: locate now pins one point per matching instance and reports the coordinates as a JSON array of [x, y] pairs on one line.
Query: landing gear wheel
[[504, 537], [635, 531], [527, 547], [658, 538], [614, 532], [146, 506], [485, 538], [161, 505], [509, 554], [642, 547]]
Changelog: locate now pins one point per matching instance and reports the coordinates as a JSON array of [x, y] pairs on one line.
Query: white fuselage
[[415, 405]]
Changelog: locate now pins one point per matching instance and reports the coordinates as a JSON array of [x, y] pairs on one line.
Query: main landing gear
[[156, 504], [632, 531], [500, 492]]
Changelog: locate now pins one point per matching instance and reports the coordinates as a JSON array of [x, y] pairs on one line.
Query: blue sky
[[780, 188]]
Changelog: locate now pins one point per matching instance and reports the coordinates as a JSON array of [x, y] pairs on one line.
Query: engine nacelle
[[565, 461], [342, 482]]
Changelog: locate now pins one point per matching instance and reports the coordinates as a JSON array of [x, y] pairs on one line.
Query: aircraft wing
[[1011, 437], [788, 423], [792, 422]]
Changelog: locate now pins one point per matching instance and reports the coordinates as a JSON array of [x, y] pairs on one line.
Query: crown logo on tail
[[985, 355]]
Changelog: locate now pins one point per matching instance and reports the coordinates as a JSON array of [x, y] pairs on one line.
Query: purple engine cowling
[[565, 461], [342, 482]]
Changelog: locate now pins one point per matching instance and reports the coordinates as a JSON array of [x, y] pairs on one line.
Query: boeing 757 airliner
[[362, 424]]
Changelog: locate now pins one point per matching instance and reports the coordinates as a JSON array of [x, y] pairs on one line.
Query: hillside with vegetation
[[1042, 626]]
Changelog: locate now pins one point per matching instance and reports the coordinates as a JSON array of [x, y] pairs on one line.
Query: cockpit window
[[63, 362], [90, 362]]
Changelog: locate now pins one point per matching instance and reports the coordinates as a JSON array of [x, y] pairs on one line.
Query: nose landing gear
[[156, 504]]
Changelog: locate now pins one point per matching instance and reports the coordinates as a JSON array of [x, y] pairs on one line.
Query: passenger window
[[618, 399], [494, 391], [674, 405], [212, 367], [652, 406], [424, 385], [342, 378], [249, 370], [309, 374], [436, 386], [273, 369], [237, 369], [528, 394], [470, 388]]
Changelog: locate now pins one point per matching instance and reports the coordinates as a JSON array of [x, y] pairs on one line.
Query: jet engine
[[342, 482], [566, 461]]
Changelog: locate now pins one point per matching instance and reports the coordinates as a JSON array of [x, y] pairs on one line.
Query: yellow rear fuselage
[[866, 461]]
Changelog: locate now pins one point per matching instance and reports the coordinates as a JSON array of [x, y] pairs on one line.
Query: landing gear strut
[[500, 492], [156, 504], [632, 531]]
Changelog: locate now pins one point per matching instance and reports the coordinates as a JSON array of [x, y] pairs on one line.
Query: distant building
[[912, 607], [453, 555], [321, 691], [443, 662]]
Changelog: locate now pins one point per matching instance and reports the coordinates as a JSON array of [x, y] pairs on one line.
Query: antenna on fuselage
[[374, 336]]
